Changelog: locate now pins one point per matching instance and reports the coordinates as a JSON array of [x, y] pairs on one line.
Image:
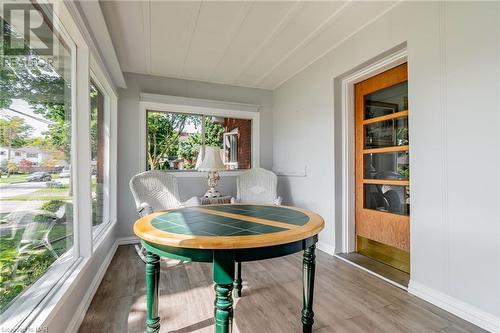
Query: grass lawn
[[35, 198], [12, 179], [32, 264], [43, 194]]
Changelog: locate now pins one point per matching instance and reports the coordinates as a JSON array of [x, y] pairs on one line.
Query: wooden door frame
[[346, 206]]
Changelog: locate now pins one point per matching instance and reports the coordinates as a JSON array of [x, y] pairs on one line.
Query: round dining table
[[226, 236]]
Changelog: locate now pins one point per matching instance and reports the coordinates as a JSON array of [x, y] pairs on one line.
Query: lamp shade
[[211, 160]]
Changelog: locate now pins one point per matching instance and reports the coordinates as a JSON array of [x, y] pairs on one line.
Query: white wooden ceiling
[[244, 43]]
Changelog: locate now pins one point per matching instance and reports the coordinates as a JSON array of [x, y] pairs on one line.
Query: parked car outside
[[65, 173], [39, 176]]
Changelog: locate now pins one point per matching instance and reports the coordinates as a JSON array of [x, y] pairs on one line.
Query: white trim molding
[[352, 263], [167, 103], [347, 182], [457, 307], [325, 247]]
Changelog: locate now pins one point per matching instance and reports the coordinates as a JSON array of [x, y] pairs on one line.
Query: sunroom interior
[[201, 166]]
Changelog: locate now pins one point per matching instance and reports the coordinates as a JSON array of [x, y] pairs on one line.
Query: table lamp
[[212, 163]]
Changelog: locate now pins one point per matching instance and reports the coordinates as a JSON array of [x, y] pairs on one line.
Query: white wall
[[453, 56], [128, 134]]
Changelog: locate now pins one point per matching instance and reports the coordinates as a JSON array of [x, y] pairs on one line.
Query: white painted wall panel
[[453, 93]]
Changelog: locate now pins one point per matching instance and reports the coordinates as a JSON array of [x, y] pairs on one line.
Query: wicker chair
[[256, 186], [155, 191]]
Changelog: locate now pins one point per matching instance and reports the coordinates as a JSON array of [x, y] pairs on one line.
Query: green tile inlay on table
[[190, 221], [278, 214]]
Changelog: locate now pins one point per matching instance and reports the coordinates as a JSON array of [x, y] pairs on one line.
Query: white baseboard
[[128, 240], [459, 308], [371, 272], [327, 248], [77, 320]]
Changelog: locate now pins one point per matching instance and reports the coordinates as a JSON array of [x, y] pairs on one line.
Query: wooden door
[[382, 167]]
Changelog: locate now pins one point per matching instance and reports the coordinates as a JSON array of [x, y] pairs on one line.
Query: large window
[[36, 184], [174, 140]]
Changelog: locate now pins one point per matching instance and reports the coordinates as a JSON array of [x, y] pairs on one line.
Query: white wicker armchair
[[257, 186], [155, 191]]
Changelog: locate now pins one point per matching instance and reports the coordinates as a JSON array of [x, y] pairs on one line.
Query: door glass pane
[[387, 198], [36, 184], [387, 133], [387, 101], [394, 165]]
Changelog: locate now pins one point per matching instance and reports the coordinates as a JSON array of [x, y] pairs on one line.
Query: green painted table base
[[226, 268]]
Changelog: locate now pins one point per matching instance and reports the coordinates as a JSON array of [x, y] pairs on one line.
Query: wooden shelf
[[386, 149], [399, 114], [386, 182]]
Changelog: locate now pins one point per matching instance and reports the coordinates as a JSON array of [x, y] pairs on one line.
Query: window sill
[[199, 174], [99, 231]]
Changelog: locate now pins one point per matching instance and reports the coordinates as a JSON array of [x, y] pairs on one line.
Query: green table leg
[[309, 265], [237, 281], [223, 274], [152, 280]]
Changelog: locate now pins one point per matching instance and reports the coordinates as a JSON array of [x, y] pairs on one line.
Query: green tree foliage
[[164, 131], [189, 148], [164, 138], [14, 132], [42, 85], [95, 97], [213, 133]]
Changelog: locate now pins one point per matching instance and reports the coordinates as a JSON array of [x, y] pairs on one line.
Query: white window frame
[[196, 106], [226, 135], [110, 108]]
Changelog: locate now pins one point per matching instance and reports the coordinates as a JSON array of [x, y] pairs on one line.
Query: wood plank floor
[[346, 299]]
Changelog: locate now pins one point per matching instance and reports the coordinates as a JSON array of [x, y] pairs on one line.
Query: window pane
[[237, 143], [388, 198], [98, 155], [394, 165], [36, 207], [173, 140], [387, 101], [387, 133]]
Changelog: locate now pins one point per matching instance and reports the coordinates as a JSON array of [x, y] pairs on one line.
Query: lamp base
[[212, 193]]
